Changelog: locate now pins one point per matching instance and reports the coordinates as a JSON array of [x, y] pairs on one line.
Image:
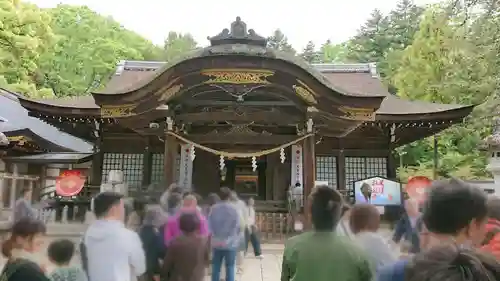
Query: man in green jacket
[[321, 254]]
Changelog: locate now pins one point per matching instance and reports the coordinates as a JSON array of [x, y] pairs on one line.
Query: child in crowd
[[60, 254]]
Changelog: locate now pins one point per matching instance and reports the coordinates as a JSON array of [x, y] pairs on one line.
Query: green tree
[[333, 53], [87, 50], [177, 44], [310, 54], [371, 44], [24, 34], [443, 66], [279, 41]]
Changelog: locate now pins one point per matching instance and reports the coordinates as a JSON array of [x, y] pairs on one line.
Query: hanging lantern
[[221, 162], [193, 153], [254, 163], [282, 155]]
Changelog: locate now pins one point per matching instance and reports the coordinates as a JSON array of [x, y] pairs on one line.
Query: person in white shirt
[[110, 251], [251, 232], [364, 221]]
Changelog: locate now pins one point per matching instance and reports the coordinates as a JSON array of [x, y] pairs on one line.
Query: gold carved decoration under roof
[[240, 130], [237, 76], [18, 139], [305, 92], [170, 92], [360, 114], [112, 111]]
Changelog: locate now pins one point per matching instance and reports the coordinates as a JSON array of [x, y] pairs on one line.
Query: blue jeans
[[229, 258], [252, 237]]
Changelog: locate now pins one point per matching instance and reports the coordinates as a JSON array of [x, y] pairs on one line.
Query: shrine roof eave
[[452, 113], [45, 144], [60, 108], [52, 158]]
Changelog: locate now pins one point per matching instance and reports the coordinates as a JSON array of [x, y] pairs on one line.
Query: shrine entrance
[[248, 179]]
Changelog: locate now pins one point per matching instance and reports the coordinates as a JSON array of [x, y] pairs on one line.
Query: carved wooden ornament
[[111, 111], [360, 114], [237, 76]]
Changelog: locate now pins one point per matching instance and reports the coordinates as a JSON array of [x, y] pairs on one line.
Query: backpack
[[490, 235], [11, 268]]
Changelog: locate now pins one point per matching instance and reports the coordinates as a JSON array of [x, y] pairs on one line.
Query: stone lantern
[[492, 145]]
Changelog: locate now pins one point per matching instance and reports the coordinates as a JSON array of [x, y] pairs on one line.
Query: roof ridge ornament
[[238, 34]]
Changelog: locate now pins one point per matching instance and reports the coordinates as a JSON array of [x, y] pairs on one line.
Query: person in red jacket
[[491, 242]]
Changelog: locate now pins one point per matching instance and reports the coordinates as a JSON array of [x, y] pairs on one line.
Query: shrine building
[[239, 114], [35, 152]]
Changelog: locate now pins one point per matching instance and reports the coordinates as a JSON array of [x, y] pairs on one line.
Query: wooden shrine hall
[[240, 114]]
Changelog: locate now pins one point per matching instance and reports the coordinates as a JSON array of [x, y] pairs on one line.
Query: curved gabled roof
[[16, 120], [357, 79]]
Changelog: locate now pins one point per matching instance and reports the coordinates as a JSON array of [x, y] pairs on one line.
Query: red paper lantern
[[417, 188], [69, 183]]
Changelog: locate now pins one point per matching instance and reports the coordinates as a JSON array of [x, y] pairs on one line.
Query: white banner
[[186, 167], [297, 165]]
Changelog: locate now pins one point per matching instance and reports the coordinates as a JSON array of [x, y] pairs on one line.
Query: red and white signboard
[[70, 183], [417, 188], [297, 165]]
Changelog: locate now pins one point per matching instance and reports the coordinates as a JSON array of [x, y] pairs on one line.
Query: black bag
[[12, 267]]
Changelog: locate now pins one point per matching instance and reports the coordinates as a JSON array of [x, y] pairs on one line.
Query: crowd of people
[[175, 240], [453, 236]]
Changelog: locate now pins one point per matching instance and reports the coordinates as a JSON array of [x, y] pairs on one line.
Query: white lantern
[[115, 176], [4, 141]]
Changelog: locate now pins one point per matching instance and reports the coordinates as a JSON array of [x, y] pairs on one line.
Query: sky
[[316, 20]]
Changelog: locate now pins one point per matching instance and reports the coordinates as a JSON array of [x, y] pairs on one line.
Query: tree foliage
[[310, 54], [279, 41], [24, 35], [177, 44], [333, 53], [87, 50]]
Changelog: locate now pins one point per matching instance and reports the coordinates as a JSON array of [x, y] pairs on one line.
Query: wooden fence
[[274, 226]]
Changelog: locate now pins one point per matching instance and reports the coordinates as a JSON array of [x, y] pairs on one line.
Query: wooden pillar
[[309, 172], [147, 163], [96, 169], [13, 191], [2, 191], [169, 159], [341, 171]]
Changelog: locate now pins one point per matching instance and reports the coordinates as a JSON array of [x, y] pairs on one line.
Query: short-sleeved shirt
[[320, 255]]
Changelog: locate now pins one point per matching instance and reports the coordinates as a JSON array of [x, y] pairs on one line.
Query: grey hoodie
[[114, 253]]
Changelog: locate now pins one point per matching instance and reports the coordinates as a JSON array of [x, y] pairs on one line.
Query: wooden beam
[[245, 103], [241, 139], [274, 117]]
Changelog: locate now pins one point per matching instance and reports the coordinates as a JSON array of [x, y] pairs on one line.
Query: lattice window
[[157, 173], [358, 168], [130, 164], [326, 170]]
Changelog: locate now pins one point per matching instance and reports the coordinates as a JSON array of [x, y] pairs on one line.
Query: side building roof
[[15, 121], [358, 79]]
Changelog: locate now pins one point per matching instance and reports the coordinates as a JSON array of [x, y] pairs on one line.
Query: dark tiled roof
[[358, 79], [15, 118]]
